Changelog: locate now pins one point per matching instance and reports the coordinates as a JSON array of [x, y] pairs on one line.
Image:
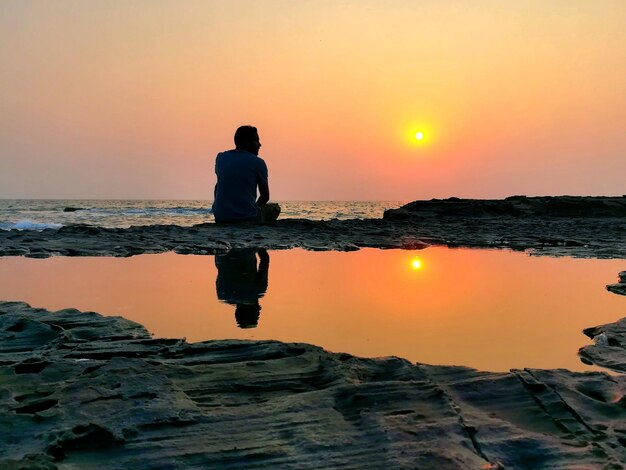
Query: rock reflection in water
[[241, 282]]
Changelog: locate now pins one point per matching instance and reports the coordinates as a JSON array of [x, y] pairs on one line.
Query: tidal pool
[[488, 309]]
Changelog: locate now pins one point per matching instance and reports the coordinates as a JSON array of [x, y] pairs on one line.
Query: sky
[[134, 98]]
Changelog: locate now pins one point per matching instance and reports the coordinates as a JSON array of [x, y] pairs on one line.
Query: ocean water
[[34, 214]]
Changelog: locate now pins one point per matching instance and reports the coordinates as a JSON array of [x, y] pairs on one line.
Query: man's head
[[247, 315], [247, 138]]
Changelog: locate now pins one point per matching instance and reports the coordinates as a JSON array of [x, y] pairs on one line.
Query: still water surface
[[488, 309]]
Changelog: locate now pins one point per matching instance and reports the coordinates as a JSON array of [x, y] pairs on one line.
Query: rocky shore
[[80, 390], [553, 226]]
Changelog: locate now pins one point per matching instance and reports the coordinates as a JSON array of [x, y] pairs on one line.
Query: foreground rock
[[609, 348], [79, 390], [620, 287], [559, 226]]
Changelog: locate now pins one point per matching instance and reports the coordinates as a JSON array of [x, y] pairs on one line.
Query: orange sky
[[123, 99]]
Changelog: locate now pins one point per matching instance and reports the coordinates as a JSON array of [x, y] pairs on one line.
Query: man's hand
[[264, 194]]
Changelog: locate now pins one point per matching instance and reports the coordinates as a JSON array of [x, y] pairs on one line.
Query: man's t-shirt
[[239, 281], [238, 174]]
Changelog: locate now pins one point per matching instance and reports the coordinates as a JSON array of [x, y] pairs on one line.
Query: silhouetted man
[[239, 173], [242, 283]]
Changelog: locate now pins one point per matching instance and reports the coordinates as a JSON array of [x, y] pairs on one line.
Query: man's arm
[[264, 193], [263, 271]]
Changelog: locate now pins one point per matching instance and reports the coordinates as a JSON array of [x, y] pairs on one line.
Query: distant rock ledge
[[514, 206], [554, 226], [80, 390]]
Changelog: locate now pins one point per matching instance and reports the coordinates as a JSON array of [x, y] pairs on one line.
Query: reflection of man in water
[[239, 173], [240, 283]]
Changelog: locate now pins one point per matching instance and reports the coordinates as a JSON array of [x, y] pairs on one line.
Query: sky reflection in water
[[488, 309]]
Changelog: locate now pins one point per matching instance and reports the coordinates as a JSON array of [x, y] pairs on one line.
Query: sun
[[418, 134]]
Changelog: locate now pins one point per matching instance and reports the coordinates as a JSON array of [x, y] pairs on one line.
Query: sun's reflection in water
[[416, 264]]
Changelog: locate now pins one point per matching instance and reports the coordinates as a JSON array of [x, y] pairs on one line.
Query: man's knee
[[270, 212]]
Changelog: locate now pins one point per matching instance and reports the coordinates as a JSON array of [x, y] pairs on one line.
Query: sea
[[40, 214]]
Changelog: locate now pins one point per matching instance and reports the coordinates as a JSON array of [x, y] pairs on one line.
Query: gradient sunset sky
[[133, 99]]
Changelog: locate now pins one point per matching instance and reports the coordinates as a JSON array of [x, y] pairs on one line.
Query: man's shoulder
[[241, 155], [225, 153]]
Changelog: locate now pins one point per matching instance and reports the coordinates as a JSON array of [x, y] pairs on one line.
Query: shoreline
[[83, 390], [588, 227]]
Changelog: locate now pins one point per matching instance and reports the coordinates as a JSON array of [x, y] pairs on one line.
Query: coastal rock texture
[[554, 226], [609, 348], [79, 390], [620, 287], [514, 206]]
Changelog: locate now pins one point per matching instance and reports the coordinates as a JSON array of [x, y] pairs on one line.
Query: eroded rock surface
[[559, 226], [619, 287], [609, 348], [79, 390], [515, 206]]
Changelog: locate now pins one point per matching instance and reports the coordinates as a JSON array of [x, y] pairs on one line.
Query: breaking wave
[[28, 225]]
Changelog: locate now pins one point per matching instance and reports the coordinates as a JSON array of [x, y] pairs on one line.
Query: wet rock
[[99, 392], [514, 206], [72, 209], [620, 287], [565, 226], [609, 348]]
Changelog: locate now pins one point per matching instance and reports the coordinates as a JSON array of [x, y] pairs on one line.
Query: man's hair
[[245, 134], [247, 316]]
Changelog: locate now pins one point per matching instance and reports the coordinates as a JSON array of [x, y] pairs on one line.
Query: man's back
[[238, 174]]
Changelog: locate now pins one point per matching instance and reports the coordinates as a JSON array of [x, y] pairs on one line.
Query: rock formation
[[565, 226], [79, 390], [620, 287]]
